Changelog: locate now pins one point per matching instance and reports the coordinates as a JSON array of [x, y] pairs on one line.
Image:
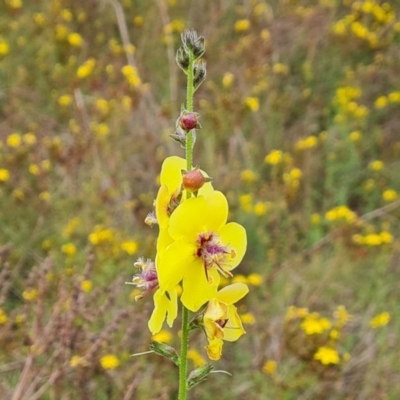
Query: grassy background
[[300, 114]]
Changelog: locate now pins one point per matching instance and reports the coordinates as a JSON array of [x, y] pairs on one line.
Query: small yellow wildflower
[[131, 75], [386, 237], [327, 355], [101, 130], [86, 285], [46, 165], [86, 69], [274, 157], [381, 102], [248, 318], [45, 196], [255, 279], [239, 278], [246, 202], [379, 320], [376, 165], [248, 176], [30, 294], [3, 317], [355, 136], [129, 246], [69, 249], [75, 39], [34, 169], [196, 358], [307, 143], [315, 219], [14, 140], [389, 195], [280, 69], [265, 35], [65, 100], [341, 315], [66, 15], [4, 48], [260, 208], [242, 25], [78, 361], [39, 19], [162, 336], [4, 175], [227, 80], [394, 97], [30, 138], [252, 103], [372, 239], [270, 367], [138, 20], [314, 324], [109, 361]]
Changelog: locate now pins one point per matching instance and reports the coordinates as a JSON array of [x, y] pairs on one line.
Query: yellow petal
[[172, 311], [173, 263], [197, 290], [171, 175], [163, 240], [214, 349], [160, 309], [187, 220], [232, 293], [234, 236], [162, 203], [216, 212], [234, 328]]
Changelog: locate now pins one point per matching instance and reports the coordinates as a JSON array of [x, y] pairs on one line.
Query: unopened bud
[[199, 375], [193, 180], [189, 120], [166, 351], [182, 59], [200, 72], [179, 136]]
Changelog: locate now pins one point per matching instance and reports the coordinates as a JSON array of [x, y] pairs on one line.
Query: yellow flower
[[75, 39], [341, 315], [227, 80], [381, 102], [129, 246], [314, 324], [78, 361], [3, 317], [248, 318], [162, 336], [386, 237], [86, 285], [242, 25], [14, 140], [86, 69], [327, 355], [260, 208], [109, 361], [252, 103], [376, 165], [4, 48], [138, 20], [394, 97], [203, 245], [30, 138], [379, 320], [248, 176], [270, 367], [30, 294], [355, 136], [131, 75], [372, 239], [255, 279], [196, 358], [65, 100], [315, 219], [389, 195], [274, 157], [4, 175], [221, 320], [280, 69], [69, 249]]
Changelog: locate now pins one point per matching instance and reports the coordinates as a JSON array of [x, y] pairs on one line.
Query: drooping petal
[[232, 293], [234, 328], [171, 175], [214, 349], [216, 311], [234, 236], [161, 205], [173, 262], [216, 212], [197, 290], [160, 309], [186, 221], [172, 311]]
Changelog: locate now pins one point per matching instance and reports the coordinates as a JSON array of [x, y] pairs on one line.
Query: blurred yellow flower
[[242, 25], [248, 318], [389, 195], [260, 208], [86, 285], [315, 219], [274, 157], [379, 320], [248, 176], [270, 367], [341, 213], [30, 294], [255, 279], [34, 169], [69, 249], [75, 39], [252, 103], [14, 140], [65, 100], [386, 237], [280, 69], [3, 317], [4, 48], [109, 361], [355, 136], [138, 20], [394, 97], [327, 355], [314, 324], [195, 356], [376, 165], [129, 246], [86, 69], [163, 336], [30, 138], [78, 361], [227, 80], [381, 102], [4, 175]]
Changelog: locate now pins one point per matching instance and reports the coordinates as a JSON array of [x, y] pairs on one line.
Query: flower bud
[[189, 120], [193, 180], [200, 73], [179, 136], [166, 351], [182, 59], [199, 375]]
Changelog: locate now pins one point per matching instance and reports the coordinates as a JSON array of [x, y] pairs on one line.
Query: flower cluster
[[195, 247]]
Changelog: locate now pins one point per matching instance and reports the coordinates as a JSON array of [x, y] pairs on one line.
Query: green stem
[[185, 311]]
